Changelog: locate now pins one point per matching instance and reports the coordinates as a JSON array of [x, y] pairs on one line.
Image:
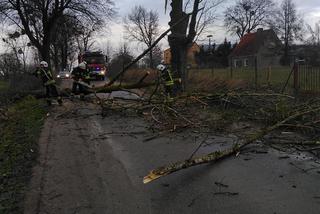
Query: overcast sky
[[310, 10]]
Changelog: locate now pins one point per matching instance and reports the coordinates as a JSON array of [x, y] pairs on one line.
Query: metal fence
[[288, 79], [274, 77], [308, 78]]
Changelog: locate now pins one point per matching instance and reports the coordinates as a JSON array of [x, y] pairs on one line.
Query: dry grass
[[204, 82], [135, 75], [197, 81], [275, 78]]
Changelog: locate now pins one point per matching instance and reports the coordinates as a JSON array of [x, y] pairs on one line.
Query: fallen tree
[[109, 89], [126, 68], [219, 155]]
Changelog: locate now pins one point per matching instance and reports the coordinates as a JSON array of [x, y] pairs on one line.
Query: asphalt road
[[90, 164]]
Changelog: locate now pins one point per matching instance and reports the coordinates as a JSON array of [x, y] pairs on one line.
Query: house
[[191, 55], [261, 49]]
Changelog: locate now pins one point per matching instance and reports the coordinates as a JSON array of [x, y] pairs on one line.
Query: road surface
[[90, 164]]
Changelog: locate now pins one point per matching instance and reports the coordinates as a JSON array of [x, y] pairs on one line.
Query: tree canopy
[[37, 18], [247, 15]]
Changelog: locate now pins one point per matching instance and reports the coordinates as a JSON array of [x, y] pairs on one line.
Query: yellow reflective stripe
[[50, 82], [169, 83], [47, 74], [170, 76]]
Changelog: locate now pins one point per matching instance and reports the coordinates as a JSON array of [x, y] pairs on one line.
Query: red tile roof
[[251, 43]]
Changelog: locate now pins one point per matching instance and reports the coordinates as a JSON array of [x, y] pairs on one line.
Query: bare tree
[[64, 42], [184, 34], [247, 15], [207, 15], [85, 34], [142, 26], [314, 38], [121, 58], [37, 18], [288, 25], [157, 57], [71, 36], [19, 47], [8, 64]]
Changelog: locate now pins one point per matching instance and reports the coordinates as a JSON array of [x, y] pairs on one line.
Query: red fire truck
[[96, 63]]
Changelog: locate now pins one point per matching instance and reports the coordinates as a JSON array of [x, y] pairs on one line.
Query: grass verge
[[18, 151], [275, 77], [3, 85]]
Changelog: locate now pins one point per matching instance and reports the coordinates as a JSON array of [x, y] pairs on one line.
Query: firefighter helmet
[[44, 64], [161, 67], [83, 65]]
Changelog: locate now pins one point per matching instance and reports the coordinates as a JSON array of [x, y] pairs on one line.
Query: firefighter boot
[[60, 101], [49, 103], [81, 96]]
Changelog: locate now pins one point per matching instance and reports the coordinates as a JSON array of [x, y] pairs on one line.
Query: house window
[[238, 63], [245, 62]]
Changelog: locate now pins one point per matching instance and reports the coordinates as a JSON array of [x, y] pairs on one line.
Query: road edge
[[33, 194]]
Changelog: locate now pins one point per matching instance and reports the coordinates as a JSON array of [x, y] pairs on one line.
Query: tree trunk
[[151, 59], [55, 56], [64, 54], [178, 44], [183, 66], [46, 42], [45, 51], [178, 61]]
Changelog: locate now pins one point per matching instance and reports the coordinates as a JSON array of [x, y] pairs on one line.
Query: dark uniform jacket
[[45, 75], [79, 73]]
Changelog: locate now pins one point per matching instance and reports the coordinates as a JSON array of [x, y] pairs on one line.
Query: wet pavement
[[95, 164]]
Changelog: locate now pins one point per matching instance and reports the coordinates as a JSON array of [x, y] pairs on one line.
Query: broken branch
[[219, 155]]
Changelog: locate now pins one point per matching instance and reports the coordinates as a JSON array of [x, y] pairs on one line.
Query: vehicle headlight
[[67, 75], [58, 76], [103, 72]]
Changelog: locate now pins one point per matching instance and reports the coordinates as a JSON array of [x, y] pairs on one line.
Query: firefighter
[[167, 80], [45, 74], [81, 79]]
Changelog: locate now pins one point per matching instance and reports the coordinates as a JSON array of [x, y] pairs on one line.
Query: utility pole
[[211, 53]]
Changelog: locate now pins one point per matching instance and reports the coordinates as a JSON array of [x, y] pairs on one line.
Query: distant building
[[306, 54], [264, 47], [191, 55]]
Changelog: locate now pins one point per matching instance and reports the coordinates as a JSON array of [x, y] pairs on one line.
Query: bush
[[24, 82]]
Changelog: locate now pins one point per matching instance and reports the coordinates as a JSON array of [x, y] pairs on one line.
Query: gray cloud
[[309, 9]]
